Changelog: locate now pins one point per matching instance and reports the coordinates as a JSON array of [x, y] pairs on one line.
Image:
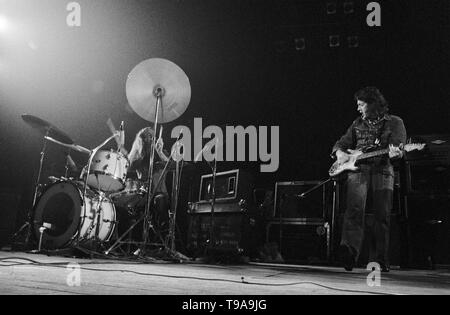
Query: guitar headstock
[[414, 146]]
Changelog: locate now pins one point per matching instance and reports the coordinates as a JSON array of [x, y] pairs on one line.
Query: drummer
[[139, 157]]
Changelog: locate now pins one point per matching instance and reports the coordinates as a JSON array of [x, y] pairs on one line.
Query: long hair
[[141, 145], [377, 104]]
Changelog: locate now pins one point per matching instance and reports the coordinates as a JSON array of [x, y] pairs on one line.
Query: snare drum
[[69, 218], [134, 191], [108, 171]]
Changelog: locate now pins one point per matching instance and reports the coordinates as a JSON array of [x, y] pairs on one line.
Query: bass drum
[[68, 218]]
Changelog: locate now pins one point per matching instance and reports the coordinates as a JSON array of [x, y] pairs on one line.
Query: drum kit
[[81, 213]]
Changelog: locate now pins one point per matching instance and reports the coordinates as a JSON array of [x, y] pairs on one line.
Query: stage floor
[[24, 273]]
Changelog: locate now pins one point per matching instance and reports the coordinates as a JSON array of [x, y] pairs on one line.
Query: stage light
[[331, 7], [300, 43], [334, 41], [353, 41], [4, 24], [349, 7]]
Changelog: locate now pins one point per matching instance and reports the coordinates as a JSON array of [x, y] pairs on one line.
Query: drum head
[[60, 207]]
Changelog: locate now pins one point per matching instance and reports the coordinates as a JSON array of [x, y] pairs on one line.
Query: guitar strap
[[380, 132]]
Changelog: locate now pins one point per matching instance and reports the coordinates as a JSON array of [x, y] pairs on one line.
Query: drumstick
[[113, 130]]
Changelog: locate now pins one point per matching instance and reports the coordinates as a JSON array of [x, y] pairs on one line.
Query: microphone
[[122, 136]]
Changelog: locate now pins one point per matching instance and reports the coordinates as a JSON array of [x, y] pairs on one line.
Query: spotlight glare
[[4, 24]]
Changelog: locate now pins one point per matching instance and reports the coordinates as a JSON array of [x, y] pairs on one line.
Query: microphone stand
[[35, 193], [212, 238], [333, 208]]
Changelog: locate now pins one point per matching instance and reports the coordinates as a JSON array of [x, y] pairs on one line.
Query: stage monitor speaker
[[9, 207], [305, 241], [289, 204]]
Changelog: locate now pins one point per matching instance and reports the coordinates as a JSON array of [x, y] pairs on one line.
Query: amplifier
[[219, 207], [232, 185], [437, 150], [428, 230], [427, 177], [232, 233], [288, 204], [301, 240]]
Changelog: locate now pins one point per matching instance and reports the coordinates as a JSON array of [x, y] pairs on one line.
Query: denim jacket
[[365, 136]]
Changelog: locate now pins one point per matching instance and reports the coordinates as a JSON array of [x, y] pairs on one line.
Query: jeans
[[372, 187]]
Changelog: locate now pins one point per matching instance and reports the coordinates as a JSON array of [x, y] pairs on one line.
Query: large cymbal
[[150, 75], [46, 129]]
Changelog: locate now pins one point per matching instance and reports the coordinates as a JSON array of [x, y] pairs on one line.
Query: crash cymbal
[[156, 74], [46, 129]]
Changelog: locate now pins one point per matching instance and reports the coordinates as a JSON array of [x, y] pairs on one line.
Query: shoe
[[347, 257]]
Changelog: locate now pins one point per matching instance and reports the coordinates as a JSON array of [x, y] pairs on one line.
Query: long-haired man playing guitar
[[372, 185]]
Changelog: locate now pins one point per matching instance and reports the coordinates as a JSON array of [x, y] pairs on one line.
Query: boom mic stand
[[333, 208]]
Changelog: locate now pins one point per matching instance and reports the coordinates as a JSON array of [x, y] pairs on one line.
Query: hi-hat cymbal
[[156, 74], [46, 129]]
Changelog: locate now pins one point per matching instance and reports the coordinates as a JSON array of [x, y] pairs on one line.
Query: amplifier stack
[[231, 222], [427, 202]]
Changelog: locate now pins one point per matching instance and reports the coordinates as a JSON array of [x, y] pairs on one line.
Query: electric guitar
[[356, 156]]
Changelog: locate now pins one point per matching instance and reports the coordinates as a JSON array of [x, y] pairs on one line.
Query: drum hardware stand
[[169, 244], [88, 170], [174, 205], [138, 221], [159, 93], [28, 224]]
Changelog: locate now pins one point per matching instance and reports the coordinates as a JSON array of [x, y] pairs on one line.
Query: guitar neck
[[372, 154]]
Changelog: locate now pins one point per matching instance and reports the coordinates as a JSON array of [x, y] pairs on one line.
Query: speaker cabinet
[[305, 241], [426, 177], [288, 203], [428, 230], [233, 233]]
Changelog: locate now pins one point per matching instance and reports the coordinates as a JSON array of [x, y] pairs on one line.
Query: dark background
[[243, 65]]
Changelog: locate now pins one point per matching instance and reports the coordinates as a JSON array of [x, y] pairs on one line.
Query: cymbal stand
[[88, 170], [150, 196], [35, 193], [159, 93], [174, 205]]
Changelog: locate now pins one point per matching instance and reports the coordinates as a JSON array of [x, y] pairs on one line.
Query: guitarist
[[373, 184]]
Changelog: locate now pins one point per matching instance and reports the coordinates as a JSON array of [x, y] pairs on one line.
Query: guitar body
[[348, 166], [355, 156]]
